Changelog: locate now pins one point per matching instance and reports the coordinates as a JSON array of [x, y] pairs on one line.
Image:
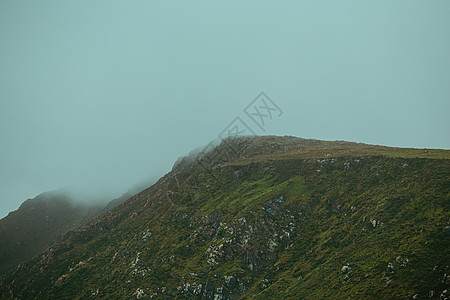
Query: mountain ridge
[[273, 217], [37, 224]]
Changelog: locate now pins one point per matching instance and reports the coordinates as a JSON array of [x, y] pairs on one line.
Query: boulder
[[345, 269]]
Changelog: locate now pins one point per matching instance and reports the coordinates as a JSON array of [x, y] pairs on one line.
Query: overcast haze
[[103, 94]]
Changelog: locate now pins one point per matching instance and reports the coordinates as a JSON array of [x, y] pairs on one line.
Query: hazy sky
[[106, 93]]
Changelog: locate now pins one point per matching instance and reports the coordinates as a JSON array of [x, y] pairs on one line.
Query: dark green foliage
[[38, 224], [279, 220]]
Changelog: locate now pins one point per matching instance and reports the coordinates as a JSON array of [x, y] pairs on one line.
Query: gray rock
[[345, 269], [402, 261], [391, 266]]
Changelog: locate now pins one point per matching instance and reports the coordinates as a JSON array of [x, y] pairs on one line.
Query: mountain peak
[[272, 217]]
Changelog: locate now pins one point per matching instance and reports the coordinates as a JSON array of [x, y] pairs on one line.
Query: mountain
[[44, 220], [264, 218], [38, 224]]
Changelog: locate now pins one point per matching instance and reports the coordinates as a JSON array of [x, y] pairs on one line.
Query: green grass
[[317, 220]]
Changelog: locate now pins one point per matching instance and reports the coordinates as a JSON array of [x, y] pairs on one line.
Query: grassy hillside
[[38, 224], [274, 217]]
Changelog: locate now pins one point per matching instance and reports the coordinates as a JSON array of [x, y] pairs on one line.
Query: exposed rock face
[[263, 224]]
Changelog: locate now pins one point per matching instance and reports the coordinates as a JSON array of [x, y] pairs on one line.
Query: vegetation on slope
[[275, 217], [38, 224]]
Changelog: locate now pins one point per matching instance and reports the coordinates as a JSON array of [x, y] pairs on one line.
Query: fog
[[99, 96], [95, 194]]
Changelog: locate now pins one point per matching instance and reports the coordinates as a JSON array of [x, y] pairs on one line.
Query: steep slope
[[44, 220], [38, 224], [272, 217]]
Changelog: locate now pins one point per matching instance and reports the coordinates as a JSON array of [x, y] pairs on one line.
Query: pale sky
[[103, 94]]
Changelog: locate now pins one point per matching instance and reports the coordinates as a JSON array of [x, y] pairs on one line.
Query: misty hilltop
[[39, 223], [44, 220], [265, 218]]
